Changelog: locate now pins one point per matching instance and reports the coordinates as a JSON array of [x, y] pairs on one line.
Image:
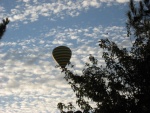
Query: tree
[[123, 85], [69, 107], [3, 27]]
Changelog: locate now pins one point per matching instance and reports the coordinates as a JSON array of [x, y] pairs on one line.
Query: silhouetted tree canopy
[[70, 108], [123, 85], [3, 27]]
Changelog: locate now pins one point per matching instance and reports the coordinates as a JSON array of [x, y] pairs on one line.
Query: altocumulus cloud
[[29, 81], [30, 10], [33, 84]]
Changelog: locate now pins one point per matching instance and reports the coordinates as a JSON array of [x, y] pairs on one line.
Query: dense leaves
[[123, 85]]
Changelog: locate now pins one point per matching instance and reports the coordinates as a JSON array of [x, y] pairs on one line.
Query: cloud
[[12, 83], [122, 1], [26, 0], [30, 11], [29, 81]]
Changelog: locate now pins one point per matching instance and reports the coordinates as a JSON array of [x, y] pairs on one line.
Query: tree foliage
[[70, 108], [123, 85], [3, 27]]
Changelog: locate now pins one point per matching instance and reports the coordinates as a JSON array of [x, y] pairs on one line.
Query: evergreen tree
[[123, 85]]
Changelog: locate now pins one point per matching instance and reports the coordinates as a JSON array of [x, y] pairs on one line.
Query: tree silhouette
[[123, 85], [69, 107], [3, 27]]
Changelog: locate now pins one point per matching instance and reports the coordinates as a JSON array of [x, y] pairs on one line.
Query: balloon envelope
[[62, 55]]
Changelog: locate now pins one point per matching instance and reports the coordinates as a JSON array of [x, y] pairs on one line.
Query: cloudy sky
[[29, 81]]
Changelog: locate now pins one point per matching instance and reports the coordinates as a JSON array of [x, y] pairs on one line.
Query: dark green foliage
[[123, 85], [3, 27]]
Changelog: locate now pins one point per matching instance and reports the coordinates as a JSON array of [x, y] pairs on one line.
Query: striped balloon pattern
[[62, 55]]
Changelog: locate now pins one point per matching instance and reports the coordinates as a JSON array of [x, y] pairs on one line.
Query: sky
[[29, 81]]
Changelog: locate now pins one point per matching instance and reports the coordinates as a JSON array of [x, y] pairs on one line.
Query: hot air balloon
[[62, 55]]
